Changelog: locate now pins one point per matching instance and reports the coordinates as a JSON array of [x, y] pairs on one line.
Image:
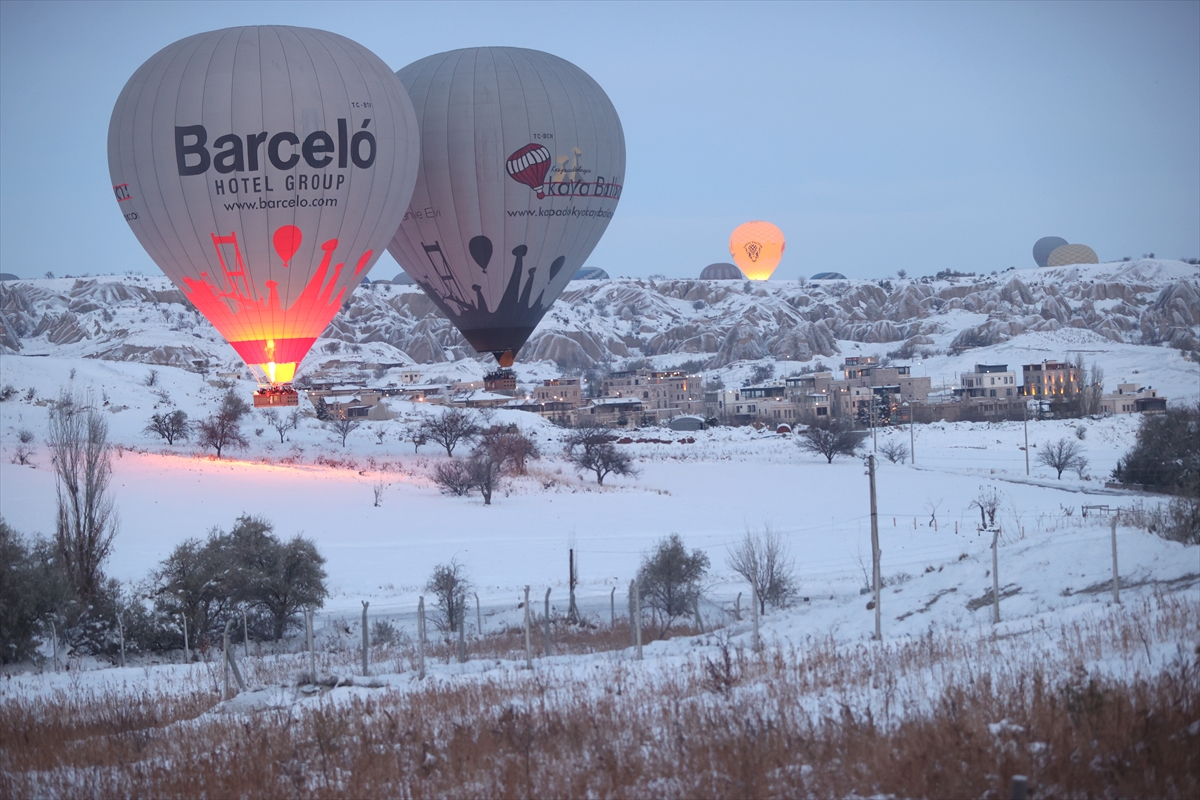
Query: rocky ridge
[[144, 319]]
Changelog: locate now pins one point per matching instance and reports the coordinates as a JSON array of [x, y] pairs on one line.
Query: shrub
[[830, 438], [449, 585], [592, 450], [1166, 453], [209, 582], [31, 587], [670, 579]]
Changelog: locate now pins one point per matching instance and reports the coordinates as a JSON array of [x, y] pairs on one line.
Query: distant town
[[868, 393]]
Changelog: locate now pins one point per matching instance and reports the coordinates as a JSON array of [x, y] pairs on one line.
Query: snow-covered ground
[[711, 492]]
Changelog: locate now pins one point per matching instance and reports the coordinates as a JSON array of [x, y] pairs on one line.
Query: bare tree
[[830, 438], [416, 435], [508, 447], [1061, 456], [282, 423], [592, 449], [988, 503], [221, 430], [453, 477], [449, 585], [343, 426], [170, 426], [484, 473], [87, 519], [451, 428], [763, 561], [894, 451]]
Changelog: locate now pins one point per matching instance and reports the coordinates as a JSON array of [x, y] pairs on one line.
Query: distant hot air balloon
[[757, 248], [522, 161], [264, 169], [1044, 246]]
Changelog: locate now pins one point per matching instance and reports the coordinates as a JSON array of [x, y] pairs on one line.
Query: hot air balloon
[[1044, 246], [522, 162], [757, 248], [264, 169]]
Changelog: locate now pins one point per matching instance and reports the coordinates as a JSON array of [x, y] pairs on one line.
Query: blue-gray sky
[[879, 137]]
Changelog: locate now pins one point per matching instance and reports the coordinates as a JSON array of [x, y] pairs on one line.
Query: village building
[[1054, 379], [1132, 398], [671, 392]]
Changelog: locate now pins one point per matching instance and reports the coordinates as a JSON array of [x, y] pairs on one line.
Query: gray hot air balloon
[[1044, 246], [722, 271], [522, 162], [264, 169]]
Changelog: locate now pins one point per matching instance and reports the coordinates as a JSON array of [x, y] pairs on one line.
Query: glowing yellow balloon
[[757, 248]]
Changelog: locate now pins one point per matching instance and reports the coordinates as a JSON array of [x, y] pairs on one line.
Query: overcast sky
[[879, 137]]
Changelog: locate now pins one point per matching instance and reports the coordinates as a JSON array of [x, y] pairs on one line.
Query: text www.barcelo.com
[[562, 212], [294, 202]]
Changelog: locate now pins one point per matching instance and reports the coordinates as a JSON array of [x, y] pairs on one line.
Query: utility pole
[[875, 548], [874, 436]]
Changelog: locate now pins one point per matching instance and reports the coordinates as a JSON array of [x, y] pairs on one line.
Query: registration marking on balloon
[[263, 333]]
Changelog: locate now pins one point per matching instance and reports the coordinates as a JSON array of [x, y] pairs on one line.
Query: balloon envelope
[[721, 271], [522, 163], [757, 248], [1044, 246], [1069, 254], [264, 169]]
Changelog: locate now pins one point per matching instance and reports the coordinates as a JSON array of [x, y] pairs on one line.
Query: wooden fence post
[[699, 619], [637, 607], [1020, 788], [421, 637], [312, 653], [995, 577], [366, 640], [225, 663], [187, 653], [245, 635], [462, 633], [632, 623], [1116, 580], [754, 616], [54, 643], [121, 634], [546, 623], [528, 634], [612, 606], [478, 616]]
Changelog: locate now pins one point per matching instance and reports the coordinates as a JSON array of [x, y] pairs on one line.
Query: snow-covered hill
[[713, 323]]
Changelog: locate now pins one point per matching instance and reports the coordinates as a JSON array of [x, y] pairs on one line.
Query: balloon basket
[[276, 396]]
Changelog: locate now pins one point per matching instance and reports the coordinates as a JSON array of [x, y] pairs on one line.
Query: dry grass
[[938, 716]]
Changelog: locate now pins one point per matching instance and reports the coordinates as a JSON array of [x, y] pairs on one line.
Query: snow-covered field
[[711, 492]]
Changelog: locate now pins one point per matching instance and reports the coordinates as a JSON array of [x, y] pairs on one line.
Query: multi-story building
[[1050, 379], [559, 390], [1132, 398], [990, 380], [666, 391]]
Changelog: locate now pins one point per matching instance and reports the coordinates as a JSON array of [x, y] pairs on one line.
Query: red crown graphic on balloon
[[258, 327]]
